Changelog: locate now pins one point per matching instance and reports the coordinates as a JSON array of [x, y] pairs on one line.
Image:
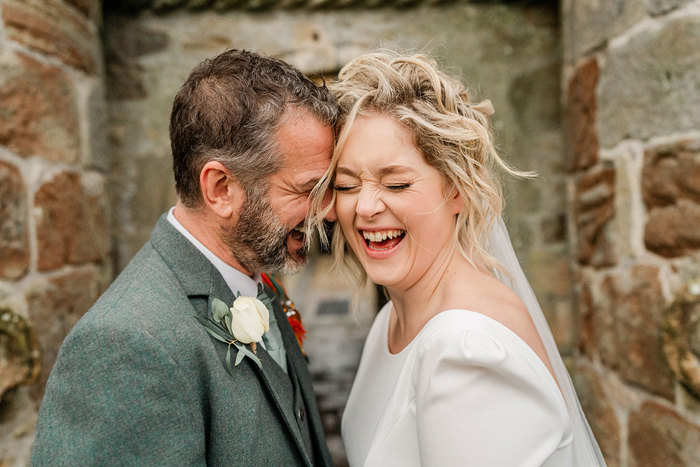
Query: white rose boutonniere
[[241, 326], [250, 319]]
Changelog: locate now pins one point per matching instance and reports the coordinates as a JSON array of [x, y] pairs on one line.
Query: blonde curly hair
[[452, 132]]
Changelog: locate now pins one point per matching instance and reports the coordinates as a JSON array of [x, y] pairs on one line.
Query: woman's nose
[[368, 203]]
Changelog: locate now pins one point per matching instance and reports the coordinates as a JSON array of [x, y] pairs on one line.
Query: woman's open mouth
[[382, 240]]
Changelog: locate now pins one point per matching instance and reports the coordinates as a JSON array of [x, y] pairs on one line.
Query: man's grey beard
[[259, 239]]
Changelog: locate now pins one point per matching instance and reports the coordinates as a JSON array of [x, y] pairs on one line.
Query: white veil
[[586, 450]]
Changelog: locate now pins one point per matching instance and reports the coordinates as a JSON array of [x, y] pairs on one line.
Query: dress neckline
[[385, 335], [532, 355]]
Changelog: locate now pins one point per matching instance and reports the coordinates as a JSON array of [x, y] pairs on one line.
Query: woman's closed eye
[[397, 186]]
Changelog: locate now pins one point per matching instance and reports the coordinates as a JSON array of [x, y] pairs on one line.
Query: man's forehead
[[304, 141], [301, 125]]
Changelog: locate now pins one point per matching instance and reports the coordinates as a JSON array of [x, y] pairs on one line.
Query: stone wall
[[54, 211], [632, 98], [509, 54]]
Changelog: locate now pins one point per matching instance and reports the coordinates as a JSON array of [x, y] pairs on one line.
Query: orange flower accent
[[293, 315]]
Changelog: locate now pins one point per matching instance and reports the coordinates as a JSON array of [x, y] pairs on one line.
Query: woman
[[459, 367]]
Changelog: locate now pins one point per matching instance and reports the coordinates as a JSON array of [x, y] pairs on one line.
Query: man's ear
[[220, 189]]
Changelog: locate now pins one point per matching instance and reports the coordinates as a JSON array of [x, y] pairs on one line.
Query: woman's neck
[[417, 304]]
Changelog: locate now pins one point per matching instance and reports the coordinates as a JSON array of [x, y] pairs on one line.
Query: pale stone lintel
[[12, 297], [654, 24], [3, 35], [256, 5], [630, 214], [84, 87], [673, 138], [12, 47]]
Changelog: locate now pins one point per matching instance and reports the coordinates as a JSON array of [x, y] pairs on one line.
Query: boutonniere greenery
[[241, 326]]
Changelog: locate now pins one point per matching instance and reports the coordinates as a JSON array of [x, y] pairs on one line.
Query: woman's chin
[[382, 276]]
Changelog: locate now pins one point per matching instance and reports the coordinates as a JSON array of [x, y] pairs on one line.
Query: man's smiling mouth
[[298, 232]]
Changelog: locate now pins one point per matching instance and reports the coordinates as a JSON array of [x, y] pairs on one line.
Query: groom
[[139, 381]]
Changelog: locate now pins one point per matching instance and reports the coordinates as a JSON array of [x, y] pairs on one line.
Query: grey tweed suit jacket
[[138, 381]]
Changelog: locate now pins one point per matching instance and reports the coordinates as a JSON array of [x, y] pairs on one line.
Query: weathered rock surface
[[38, 112], [55, 305], [594, 208], [581, 132], [14, 247], [71, 229], [649, 86], [659, 437], [627, 318]]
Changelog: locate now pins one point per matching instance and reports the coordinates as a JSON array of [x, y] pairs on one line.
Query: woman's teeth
[[380, 236]]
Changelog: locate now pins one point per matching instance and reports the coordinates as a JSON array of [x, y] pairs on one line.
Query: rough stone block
[[87, 7], [671, 190], [658, 7], [553, 228], [599, 412], [594, 208], [583, 298], [99, 155], [671, 171], [660, 437], [581, 133], [54, 308], [625, 329], [17, 428], [589, 24], [681, 335], [549, 273], [71, 227], [673, 230], [53, 29], [530, 94], [38, 113], [650, 86], [14, 248], [126, 41], [19, 351]]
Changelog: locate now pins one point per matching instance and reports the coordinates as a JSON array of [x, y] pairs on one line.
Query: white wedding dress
[[466, 391]]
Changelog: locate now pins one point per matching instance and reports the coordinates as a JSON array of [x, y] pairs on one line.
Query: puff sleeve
[[481, 402]]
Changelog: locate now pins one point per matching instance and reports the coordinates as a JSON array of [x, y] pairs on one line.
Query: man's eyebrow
[[309, 185]]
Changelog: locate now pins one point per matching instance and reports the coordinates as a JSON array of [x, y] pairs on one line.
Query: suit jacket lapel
[[274, 379], [202, 282], [297, 363]]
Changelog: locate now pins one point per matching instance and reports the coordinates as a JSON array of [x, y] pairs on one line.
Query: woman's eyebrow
[[392, 169], [388, 170], [345, 171]]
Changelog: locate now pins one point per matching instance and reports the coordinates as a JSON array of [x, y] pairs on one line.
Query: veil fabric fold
[[586, 450]]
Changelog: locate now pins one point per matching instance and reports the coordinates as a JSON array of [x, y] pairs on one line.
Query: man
[[139, 381]]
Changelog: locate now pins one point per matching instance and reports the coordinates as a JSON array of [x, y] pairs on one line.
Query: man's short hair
[[229, 110]]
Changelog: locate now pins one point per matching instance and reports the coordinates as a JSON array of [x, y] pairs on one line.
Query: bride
[[459, 368]]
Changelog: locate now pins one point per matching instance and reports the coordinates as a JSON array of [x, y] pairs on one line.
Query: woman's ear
[[220, 189], [455, 201]]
